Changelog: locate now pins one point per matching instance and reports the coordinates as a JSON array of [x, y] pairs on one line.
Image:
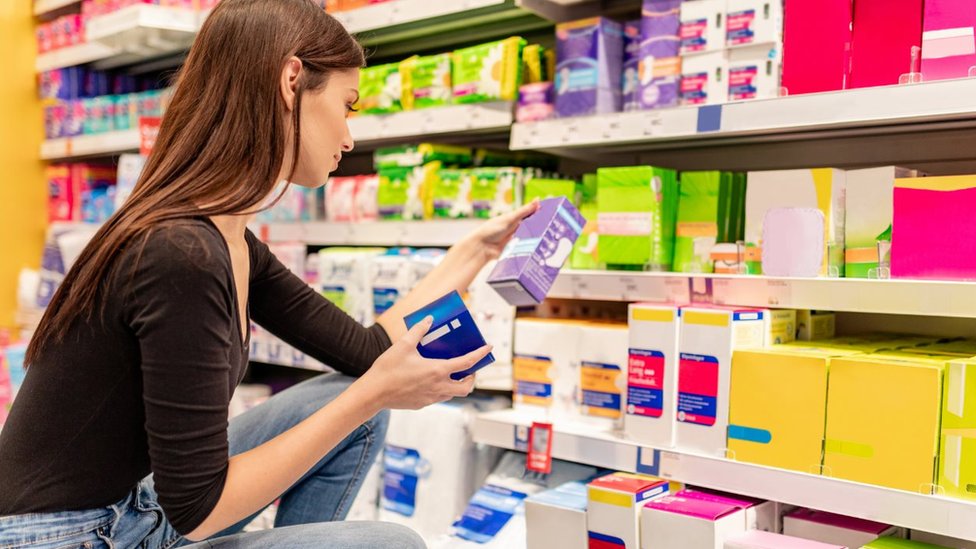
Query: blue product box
[[453, 333]]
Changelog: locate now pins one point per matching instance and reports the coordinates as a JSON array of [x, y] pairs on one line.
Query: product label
[[520, 247], [694, 89], [335, 294], [488, 512], [598, 382], [532, 382], [743, 82], [645, 379], [625, 224], [694, 35], [603, 541], [739, 27], [384, 298], [403, 468], [697, 389]]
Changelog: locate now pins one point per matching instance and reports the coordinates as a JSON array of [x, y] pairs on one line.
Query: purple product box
[[589, 59], [631, 78], [660, 50], [535, 102], [531, 262]]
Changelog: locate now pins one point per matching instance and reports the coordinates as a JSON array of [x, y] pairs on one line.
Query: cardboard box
[[869, 212], [453, 333], [531, 261], [704, 211], [637, 207], [758, 514], [756, 539], [652, 374], [545, 368], [883, 421], [780, 326], [660, 50], [834, 529], [704, 77], [815, 325], [754, 72], [614, 507], [706, 342], [897, 543], [816, 45], [957, 465], [676, 522], [589, 57], [821, 189], [557, 518], [948, 39], [603, 358], [702, 26], [752, 22], [631, 69], [885, 33], [778, 406]]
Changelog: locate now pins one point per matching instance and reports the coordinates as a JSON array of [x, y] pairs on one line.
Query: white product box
[[780, 326], [676, 522], [752, 22], [391, 277], [344, 280], [652, 374], [702, 26], [767, 540], [557, 518], [603, 373], [754, 72], [707, 339], [836, 529], [614, 505], [545, 368], [704, 78], [815, 325]]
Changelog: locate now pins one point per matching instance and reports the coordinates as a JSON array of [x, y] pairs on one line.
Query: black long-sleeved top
[[146, 388]]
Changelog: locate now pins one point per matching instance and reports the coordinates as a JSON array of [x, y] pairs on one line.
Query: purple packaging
[[589, 55], [660, 61], [535, 102], [530, 263], [631, 79], [74, 118]]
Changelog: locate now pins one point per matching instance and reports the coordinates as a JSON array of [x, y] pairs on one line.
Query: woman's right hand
[[404, 380]]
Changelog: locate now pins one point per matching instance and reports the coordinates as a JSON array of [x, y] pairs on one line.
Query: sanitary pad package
[[379, 89], [589, 53], [660, 61], [426, 81], [488, 72], [452, 334]]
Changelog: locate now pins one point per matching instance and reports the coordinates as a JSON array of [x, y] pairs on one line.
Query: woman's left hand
[[493, 235]]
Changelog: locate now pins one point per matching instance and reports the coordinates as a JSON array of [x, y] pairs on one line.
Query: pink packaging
[[756, 539], [366, 201], [949, 39], [340, 199], [817, 43], [885, 32]]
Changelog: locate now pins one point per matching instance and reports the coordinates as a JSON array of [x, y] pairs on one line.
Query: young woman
[[119, 437]]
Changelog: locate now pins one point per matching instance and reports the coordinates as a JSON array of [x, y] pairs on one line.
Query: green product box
[[380, 89], [488, 72], [957, 463], [452, 194], [585, 254], [391, 197], [426, 81], [898, 543], [494, 191], [550, 188], [409, 156], [704, 209], [636, 211]]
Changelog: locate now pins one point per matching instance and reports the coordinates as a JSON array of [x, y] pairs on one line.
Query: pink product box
[[949, 39], [816, 48], [834, 529], [756, 539], [536, 102], [885, 33]]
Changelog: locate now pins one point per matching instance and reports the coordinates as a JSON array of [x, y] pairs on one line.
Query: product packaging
[[756, 539], [586, 252], [753, 22], [536, 102], [603, 373], [589, 56], [426, 81], [702, 26], [614, 508], [889, 542], [704, 77], [704, 215], [380, 91], [869, 212], [495, 191], [344, 280], [660, 61], [453, 333], [637, 207], [886, 35], [833, 529], [754, 72], [679, 522], [546, 370], [817, 44], [652, 374], [557, 518], [488, 72], [957, 464], [630, 83], [948, 42], [452, 194]]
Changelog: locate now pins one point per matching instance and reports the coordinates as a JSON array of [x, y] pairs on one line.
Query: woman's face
[[325, 130]]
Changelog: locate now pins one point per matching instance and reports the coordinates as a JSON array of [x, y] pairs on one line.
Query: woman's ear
[[290, 74]]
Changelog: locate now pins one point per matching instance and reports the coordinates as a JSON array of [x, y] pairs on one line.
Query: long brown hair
[[223, 138]]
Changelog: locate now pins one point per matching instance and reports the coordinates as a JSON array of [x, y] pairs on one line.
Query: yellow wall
[[22, 185]]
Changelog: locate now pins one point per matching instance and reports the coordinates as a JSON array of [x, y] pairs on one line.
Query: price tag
[[779, 293], [648, 461], [631, 291], [539, 459], [569, 133], [670, 466], [521, 438], [677, 289], [148, 132], [581, 288]]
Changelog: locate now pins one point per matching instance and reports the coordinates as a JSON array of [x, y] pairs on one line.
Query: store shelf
[[590, 445], [382, 233], [400, 12], [868, 112], [130, 35], [460, 121], [104, 144], [267, 349], [43, 8], [905, 297]]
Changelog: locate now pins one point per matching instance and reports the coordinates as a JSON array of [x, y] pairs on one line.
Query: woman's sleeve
[[287, 307], [181, 309]]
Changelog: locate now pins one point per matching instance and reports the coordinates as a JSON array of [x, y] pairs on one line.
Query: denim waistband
[[19, 530]]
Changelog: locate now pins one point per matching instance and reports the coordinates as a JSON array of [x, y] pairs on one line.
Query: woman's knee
[[388, 534]]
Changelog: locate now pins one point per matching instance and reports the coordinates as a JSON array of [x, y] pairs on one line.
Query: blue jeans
[[309, 513]]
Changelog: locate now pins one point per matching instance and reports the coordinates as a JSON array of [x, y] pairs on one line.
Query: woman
[[119, 436]]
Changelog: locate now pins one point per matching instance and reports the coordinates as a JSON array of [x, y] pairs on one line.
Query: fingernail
[[429, 319]]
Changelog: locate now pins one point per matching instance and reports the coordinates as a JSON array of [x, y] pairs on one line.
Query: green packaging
[[426, 81], [488, 72], [409, 156], [704, 210], [534, 64], [380, 89], [452, 194], [391, 197], [550, 188], [636, 210], [585, 254], [494, 191], [897, 543]]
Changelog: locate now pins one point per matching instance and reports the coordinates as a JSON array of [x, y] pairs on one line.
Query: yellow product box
[[603, 360], [780, 326], [545, 370], [883, 417], [814, 325], [957, 464], [778, 406]]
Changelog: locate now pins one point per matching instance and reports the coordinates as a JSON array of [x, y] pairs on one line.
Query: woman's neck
[[232, 226]]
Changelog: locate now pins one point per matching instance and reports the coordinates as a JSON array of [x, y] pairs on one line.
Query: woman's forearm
[[257, 477], [456, 271]]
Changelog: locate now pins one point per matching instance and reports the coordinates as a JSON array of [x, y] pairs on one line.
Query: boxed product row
[[81, 83], [731, 383], [482, 73], [90, 193], [107, 113], [12, 373]]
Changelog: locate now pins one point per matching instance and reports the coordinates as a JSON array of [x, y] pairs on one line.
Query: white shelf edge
[[866, 107], [399, 12], [74, 55], [420, 124], [905, 297], [43, 7], [142, 16], [589, 445], [431, 233], [103, 144]]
